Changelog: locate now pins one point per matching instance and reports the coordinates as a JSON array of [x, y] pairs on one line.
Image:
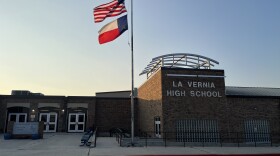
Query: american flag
[[114, 8]]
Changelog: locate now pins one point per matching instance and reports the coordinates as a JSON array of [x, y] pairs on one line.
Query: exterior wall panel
[[244, 109], [150, 102], [198, 98], [112, 113]]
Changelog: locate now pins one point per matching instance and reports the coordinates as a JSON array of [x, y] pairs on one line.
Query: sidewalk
[[67, 144]]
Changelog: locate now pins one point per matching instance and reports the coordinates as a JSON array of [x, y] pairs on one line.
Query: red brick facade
[[103, 113], [150, 102], [170, 94], [258, 108], [193, 94]]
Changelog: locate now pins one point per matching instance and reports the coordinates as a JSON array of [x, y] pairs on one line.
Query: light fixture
[[33, 110], [62, 110]]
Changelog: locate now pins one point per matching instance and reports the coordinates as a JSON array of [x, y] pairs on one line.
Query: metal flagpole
[[132, 79]]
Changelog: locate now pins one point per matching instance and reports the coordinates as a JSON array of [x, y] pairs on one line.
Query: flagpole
[[132, 79]]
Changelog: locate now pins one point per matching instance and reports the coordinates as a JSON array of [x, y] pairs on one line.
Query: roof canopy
[[179, 60]]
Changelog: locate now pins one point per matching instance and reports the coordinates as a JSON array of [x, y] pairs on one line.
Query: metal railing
[[94, 138], [239, 139], [179, 60], [120, 134]]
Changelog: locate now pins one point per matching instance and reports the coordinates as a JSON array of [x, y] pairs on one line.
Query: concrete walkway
[[66, 144]]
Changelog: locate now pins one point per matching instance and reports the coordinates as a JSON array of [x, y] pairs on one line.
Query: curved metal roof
[[179, 60]]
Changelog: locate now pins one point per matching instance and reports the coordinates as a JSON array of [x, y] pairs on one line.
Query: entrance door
[[157, 127], [17, 117], [49, 121], [76, 122]]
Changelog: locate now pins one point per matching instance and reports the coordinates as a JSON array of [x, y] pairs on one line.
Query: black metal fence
[[239, 139]]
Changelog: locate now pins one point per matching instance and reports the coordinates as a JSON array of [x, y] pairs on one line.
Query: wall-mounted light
[[62, 110], [33, 110]]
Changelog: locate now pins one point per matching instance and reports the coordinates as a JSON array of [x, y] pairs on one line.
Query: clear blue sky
[[52, 47]]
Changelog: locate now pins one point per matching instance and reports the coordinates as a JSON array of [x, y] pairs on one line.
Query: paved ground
[[65, 144]]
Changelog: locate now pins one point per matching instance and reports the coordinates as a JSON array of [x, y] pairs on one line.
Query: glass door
[[76, 122], [157, 127], [50, 121]]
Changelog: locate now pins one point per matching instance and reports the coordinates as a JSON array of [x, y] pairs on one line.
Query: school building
[[183, 98]]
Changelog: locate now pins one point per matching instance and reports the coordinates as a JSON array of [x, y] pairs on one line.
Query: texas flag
[[113, 30]]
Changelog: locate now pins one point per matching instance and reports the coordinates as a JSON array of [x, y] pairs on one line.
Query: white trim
[[186, 75], [9, 105], [77, 123], [212, 76], [47, 123]]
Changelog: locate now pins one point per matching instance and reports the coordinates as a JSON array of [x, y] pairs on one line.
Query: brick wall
[[34, 101], [150, 102], [255, 108], [104, 113], [112, 113], [90, 111]]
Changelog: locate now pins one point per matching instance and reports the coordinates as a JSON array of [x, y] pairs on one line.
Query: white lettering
[[192, 93], [170, 93], [177, 93], [219, 94], [174, 85], [197, 93], [205, 85], [183, 93], [177, 85], [180, 84], [190, 84], [194, 84], [209, 94], [215, 94], [204, 94], [199, 84], [212, 85]]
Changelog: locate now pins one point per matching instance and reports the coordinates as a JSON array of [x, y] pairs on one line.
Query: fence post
[[120, 140], [203, 139], [237, 139], [255, 139], [221, 141], [270, 135], [95, 137], [165, 139], [185, 139], [184, 143], [146, 139]]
